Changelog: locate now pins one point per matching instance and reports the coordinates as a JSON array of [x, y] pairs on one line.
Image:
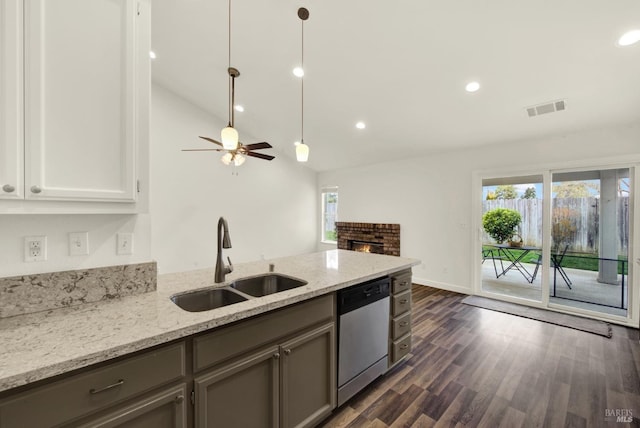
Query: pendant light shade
[[302, 152], [229, 137]]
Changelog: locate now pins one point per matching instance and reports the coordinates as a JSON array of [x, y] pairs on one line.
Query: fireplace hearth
[[379, 238]]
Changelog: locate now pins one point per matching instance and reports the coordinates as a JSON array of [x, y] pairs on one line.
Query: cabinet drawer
[[401, 303], [212, 348], [81, 394], [400, 326], [401, 282], [400, 348]]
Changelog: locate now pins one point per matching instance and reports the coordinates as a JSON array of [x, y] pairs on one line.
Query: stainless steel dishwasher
[[363, 335]]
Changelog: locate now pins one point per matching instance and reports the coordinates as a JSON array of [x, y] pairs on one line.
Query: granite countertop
[[44, 344]]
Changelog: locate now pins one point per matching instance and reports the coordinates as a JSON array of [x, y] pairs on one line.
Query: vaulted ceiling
[[401, 67]]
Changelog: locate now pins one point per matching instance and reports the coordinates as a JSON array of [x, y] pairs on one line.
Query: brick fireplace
[[381, 238]]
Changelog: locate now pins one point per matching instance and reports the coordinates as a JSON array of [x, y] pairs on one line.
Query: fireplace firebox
[[366, 246], [379, 238]]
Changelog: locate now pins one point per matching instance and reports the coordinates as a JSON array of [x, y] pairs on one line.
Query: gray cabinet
[[308, 377], [400, 317], [167, 409], [240, 394], [275, 370], [95, 391]]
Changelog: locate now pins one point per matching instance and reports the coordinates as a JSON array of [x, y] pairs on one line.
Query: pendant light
[[302, 150], [229, 135]]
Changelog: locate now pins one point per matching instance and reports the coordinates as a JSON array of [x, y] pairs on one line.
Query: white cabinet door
[[80, 93], [11, 140]]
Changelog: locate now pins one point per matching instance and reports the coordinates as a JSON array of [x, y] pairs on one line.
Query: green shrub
[[501, 223]]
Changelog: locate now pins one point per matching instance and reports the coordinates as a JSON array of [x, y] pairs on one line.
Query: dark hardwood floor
[[478, 368]]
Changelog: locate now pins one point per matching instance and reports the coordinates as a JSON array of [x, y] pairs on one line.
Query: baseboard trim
[[442, 285]]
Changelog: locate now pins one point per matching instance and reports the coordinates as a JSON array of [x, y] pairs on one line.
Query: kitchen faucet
[[221, 269]]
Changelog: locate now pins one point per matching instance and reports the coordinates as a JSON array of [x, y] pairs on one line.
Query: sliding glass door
[[589, 261], [559, 239], [512, 220]]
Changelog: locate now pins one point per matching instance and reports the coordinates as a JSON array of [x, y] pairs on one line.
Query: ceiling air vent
[[549, 107]]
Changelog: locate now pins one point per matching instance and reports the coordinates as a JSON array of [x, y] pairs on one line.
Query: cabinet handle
[[287, 352], [276, 356], [404, 346], [404, 323], [403, 283], [36, 189], [8, 188], [113, 385], [179, 399], [403, 301]]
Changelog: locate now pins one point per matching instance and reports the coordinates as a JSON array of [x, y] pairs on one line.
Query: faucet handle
[[229, 268]]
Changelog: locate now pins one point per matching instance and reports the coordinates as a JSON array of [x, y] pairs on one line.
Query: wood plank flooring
[[478, 368]]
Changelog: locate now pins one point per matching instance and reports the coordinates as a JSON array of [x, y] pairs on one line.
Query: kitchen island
[[45, 344]]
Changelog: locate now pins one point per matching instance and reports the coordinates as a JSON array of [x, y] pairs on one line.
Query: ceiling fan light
[[239, 159], [302, 152], [229, 137], [226, 158]]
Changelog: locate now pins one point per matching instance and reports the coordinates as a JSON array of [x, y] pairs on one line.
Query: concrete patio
[[585, 293]]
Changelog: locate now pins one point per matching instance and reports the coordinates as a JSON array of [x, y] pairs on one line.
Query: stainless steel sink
[[263, 285], [205, 300]]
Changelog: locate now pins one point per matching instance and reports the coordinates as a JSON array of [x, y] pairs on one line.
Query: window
[[329, 214]]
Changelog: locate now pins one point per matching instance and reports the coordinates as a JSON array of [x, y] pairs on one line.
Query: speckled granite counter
[[40, 345]]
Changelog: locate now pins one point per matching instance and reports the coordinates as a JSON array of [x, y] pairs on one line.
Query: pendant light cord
[[302, 86], [229, 66]]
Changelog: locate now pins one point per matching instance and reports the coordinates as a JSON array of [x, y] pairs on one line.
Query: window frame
[[323, 213]]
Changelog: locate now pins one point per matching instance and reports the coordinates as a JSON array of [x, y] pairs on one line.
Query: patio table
[[514, 257]]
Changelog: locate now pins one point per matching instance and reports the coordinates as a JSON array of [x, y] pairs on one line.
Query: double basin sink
[[236, 292]]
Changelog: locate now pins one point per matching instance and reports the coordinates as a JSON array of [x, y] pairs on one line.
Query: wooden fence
[[575, 219]]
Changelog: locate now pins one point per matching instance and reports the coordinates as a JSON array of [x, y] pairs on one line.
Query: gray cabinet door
[[167, 409], [240, 394], [308, 377]]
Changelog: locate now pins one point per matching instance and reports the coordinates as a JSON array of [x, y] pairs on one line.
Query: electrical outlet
[[124, 244], [78, 243], [35, 248]]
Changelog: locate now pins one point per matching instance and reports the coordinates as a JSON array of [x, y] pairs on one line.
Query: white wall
[[102, 241], [431, 197], [271, 206]]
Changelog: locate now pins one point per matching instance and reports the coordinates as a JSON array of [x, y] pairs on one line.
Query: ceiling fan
[[235, 151], [242, 149]]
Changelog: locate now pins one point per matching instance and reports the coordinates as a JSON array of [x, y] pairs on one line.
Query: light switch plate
[[78, 243], [124, 244]]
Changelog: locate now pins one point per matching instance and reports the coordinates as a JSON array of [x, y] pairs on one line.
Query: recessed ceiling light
[[629, 38], [298, 71], [152, 55], [239, 108], [472, 86], [360, 125]]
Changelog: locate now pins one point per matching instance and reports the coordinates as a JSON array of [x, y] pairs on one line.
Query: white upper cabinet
[[86, 85], [11, 138]]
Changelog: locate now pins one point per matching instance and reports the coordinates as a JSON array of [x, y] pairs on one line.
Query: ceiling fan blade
[[211, 140], [258, 146], [203, 150], [260, 156]]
